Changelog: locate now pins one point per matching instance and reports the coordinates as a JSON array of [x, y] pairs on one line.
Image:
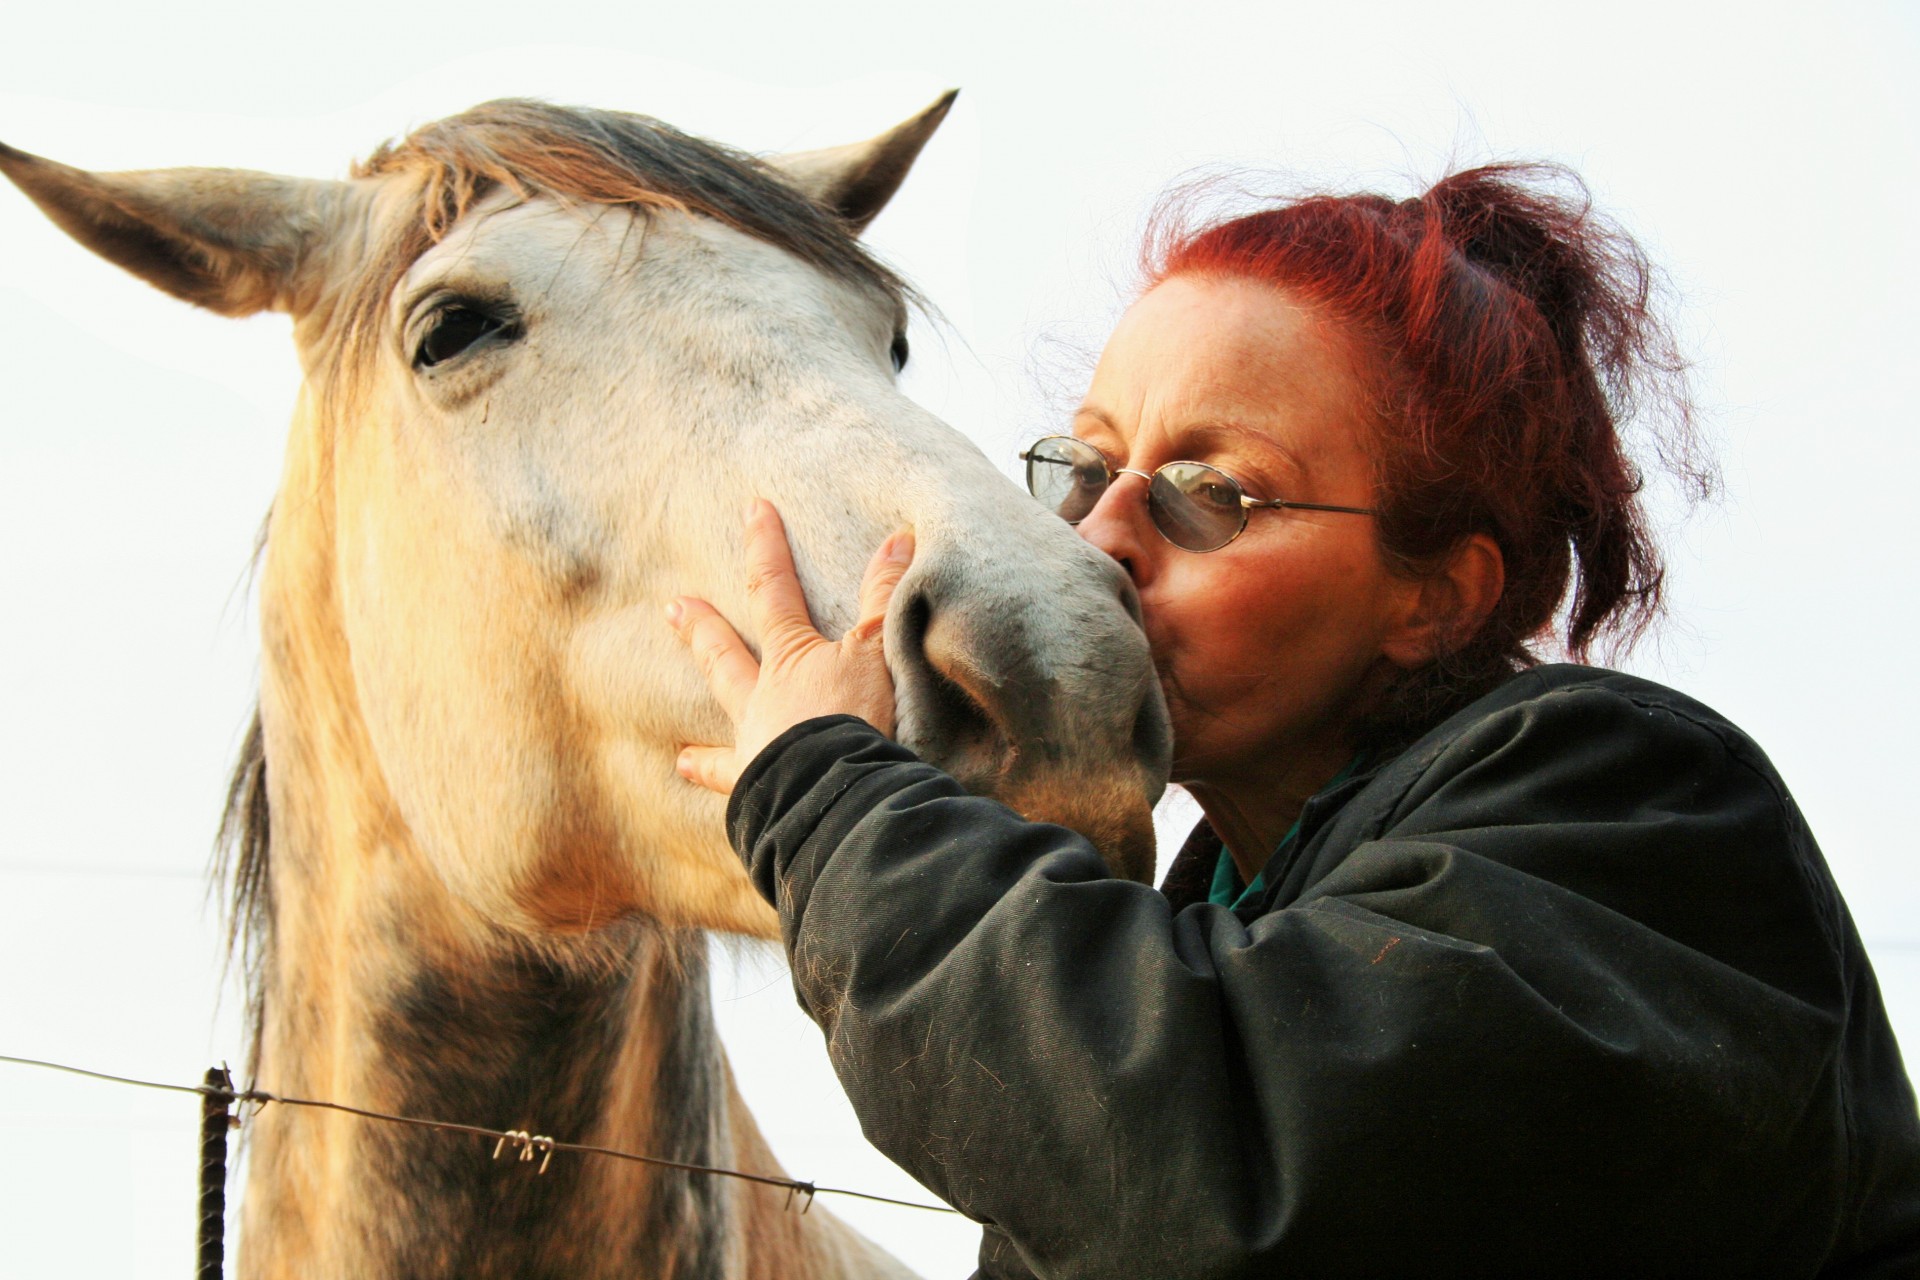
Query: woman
[[1476, 966]]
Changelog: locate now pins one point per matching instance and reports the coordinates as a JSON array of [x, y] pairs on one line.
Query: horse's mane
[[576, 155], [242, 850]]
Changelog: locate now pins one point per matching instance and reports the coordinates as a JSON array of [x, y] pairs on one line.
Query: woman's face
[[1266, 647]]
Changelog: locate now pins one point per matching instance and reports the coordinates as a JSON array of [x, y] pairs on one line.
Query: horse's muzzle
[[1042, 697]]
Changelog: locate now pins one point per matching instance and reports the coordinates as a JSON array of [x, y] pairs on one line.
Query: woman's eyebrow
[[1089, 420], [1253, 441], [1257, 445]]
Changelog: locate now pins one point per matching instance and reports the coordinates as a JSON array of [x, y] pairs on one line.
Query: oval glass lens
[[1067, 475], [1196, 507]]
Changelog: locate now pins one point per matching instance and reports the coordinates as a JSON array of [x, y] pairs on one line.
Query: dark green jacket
[[1564, 989]]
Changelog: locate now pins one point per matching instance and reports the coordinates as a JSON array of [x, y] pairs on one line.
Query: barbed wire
[[525, 1143]]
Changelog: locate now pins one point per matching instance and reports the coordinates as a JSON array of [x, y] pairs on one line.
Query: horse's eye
[[899, 351], [456, 328]]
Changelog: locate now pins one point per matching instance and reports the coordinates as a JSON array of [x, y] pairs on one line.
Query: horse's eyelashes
[[899, 351], [456, 328]]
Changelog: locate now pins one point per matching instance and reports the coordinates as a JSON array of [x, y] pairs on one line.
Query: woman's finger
[[723, 658], [778, 604], [882, 578], [715, 768]]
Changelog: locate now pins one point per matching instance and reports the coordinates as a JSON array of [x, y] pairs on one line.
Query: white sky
[[1764, 153]]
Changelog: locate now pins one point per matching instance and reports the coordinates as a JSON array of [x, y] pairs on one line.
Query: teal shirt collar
[[1226, 890]]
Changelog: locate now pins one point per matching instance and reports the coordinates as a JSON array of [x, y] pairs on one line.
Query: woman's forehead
[[1229, 365]]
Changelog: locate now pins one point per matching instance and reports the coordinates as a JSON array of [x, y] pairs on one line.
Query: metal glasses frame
[[1247, 502]]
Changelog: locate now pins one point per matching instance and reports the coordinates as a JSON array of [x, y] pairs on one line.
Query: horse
[[548, 354]]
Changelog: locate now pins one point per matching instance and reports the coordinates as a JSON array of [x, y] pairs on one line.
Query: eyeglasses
[[1194, 506]]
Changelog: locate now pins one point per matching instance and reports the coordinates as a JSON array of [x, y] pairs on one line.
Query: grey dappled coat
[[1564, 988]]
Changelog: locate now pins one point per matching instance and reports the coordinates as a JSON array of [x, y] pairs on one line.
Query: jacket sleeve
[[1570, 1009]]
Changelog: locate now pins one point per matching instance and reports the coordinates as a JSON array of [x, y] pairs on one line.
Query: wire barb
[[529, 1145]]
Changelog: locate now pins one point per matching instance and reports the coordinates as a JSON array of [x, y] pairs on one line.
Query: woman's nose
[[1119, 525]]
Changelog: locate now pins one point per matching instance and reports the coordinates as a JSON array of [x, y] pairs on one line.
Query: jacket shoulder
[[1625, 793], [1562, 684], [1588, 718]]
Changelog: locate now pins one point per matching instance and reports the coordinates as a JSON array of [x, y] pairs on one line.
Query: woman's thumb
[[715, 768], [877, 585]]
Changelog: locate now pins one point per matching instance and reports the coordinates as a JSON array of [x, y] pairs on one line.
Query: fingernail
[[675, 612], [753, 509], [900, 547], [683, 765]]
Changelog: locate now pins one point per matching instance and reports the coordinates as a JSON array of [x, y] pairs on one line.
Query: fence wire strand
[[525, 1143]]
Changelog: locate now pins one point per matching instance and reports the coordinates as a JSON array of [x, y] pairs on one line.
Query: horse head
[[549, 353]]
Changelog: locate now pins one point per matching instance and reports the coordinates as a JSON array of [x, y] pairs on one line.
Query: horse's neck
[[625, 1056], [377, 997], [627, 1060]]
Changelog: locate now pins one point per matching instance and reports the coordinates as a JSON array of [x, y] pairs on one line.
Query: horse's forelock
[[582, 155]]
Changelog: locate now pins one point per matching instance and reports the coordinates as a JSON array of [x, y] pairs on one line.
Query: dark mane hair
[[575, 155], [242, 850], [1510, 336]]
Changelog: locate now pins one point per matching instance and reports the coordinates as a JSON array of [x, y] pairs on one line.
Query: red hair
[[1508, 332]]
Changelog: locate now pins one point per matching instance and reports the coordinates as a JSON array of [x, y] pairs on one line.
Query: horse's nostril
[[941, 701], [961, 714], [1045, 701], [910, 629]]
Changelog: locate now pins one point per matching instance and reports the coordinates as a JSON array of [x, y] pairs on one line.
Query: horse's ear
[[857, 180], [227, 239]]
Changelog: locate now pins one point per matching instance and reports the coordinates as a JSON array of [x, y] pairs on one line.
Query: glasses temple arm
[[1307, 506]]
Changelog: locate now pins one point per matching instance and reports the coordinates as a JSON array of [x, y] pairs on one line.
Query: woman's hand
[[801, 674]]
